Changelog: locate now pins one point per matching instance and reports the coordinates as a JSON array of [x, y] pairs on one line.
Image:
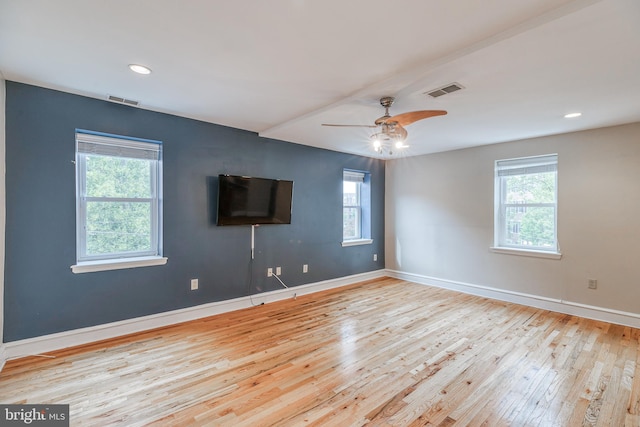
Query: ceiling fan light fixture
[[387, 139], [400, 144]]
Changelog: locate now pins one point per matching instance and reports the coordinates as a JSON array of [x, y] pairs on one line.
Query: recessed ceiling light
[[572, 115], [140, 69]]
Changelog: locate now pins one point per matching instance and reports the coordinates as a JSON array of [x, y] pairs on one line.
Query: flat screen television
[[244, 200]]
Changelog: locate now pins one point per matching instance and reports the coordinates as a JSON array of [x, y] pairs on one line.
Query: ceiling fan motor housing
[[387, 101]]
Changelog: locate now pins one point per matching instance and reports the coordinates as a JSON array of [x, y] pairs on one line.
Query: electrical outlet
[[305, 268], [593, 284], [269, 272], [278, 271], [375, 257], [194, 284]]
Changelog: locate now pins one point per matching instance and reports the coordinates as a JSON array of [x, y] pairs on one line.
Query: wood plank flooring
[[380, 353]]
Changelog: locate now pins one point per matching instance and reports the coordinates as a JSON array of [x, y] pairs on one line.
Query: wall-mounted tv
[[244, 200]]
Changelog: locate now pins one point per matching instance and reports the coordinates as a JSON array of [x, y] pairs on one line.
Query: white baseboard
[[57, 341], [561, 306]]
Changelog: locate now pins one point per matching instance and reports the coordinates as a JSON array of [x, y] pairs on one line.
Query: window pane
[[350, 193], [118, 227], [526, 203], [531, 188], [119, 191], [351, 223], [118, 177], [530, 226]]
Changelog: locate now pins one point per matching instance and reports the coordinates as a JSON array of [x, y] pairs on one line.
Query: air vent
[[121, 100], [452, 87]]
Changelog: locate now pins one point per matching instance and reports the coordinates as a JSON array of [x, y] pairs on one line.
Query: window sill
[[356, 242], [526, 252], [117, 264]]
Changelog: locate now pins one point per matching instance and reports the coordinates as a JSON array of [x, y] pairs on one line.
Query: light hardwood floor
[[380, 353]]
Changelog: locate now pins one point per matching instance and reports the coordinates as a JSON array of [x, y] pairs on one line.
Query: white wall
[[439, 218]]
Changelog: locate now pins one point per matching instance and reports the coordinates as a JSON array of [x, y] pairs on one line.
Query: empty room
[[305, 213]]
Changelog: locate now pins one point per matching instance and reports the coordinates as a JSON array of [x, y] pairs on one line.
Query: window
[[526, 203], [118, 202], [356, 208]]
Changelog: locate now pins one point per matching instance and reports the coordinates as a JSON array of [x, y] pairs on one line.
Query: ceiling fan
[[390, 129]]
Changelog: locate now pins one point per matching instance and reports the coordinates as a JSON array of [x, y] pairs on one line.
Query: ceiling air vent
[[452, 87], [121, 100]]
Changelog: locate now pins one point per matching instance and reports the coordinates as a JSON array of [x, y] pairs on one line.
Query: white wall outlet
[[375, 257], [278, 271], [194, 284], [305, 268], [593, 284], [269, 272]]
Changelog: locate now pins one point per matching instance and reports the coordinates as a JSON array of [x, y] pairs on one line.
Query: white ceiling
[[283, 67]]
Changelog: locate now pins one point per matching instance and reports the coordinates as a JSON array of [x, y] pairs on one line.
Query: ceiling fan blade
[[413, 116], [350, 126]]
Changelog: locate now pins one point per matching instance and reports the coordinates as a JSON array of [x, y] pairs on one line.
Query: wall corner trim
[[3, 355], [61, 340], [552, 304]]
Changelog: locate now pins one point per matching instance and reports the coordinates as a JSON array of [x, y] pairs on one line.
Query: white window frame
[[88, 143], [523, 166], [358, 177]]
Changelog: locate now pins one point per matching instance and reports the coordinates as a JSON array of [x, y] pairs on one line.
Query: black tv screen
[[246, 200]]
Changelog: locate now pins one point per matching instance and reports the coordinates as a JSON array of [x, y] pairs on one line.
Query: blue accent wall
[[43, 296]]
